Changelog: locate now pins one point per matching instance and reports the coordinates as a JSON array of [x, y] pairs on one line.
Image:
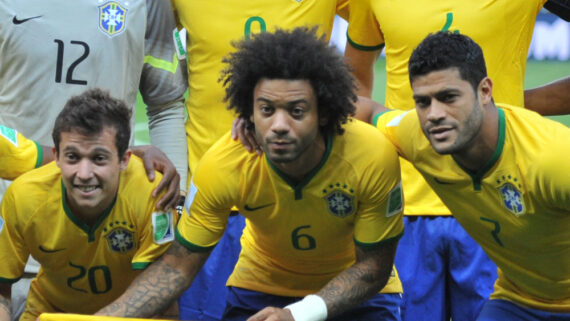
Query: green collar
[[89, 230], [298, 188]]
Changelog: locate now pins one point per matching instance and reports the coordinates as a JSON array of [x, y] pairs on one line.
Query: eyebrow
[[302, 100]]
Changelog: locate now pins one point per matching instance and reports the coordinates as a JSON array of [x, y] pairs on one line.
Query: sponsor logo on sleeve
[[162, 227], [10, 134], [395, 201]]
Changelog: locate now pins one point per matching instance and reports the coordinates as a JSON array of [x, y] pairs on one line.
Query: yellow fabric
[[82, 268], [517, 209], [80, 317], [17, 153], [295, 240], [502, 28], [208, 42]]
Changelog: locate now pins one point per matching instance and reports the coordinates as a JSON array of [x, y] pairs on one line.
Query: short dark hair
[[90, 112], [443, 50], [297, 54]]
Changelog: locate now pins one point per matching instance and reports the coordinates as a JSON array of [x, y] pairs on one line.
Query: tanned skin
[[5, 301], [159, 285]]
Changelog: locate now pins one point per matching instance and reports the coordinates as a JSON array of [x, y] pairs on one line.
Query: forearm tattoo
[[158, 286], [359, 282]]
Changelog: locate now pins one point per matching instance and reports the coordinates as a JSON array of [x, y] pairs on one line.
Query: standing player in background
[[323, 206], [211, 27], [506, 175], [444, 272], [89, 217], [51, 50]]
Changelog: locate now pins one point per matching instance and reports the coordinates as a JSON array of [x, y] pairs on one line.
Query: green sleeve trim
[[377, 116], [364, 48], [40, 154], [140, 265], [192, 247], [9, 281], [169, 66], [377, 244]]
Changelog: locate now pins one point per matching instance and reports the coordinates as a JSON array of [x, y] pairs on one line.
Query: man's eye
[[422, 102], [297, 112], [266, 109]]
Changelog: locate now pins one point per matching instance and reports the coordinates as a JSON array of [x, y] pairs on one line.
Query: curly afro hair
[[296, 54]]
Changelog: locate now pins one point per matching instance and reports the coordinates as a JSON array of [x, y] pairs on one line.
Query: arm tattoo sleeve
[[159, 285], [361, 281]]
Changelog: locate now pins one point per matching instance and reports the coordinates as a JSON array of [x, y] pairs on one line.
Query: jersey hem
[[40, 155], [362, 47], [382, 242], [9, 281], [190, 246], [140, 265]]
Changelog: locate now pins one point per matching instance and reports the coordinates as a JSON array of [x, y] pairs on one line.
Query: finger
[[252, 141], [235, 126], [171, 183], [149, 169]]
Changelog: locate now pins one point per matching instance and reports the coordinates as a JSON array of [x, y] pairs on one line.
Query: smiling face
[[90, 168], [287, 123], [449, 110]]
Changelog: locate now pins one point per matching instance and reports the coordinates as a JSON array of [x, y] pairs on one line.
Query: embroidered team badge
[[510, 190], [112, 18], [340, 201], [120, 240]]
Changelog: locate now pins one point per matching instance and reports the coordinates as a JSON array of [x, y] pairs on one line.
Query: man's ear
[[485, 90], [56, 154], [125, 159]]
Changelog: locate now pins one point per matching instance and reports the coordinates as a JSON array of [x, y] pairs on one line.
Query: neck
[[481, 148], [307, 161]]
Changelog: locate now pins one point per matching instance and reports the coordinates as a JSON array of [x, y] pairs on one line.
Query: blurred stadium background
[[549, 59]]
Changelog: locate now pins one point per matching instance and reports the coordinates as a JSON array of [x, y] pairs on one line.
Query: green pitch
[[537, 73]]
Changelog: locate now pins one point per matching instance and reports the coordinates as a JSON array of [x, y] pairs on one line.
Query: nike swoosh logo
[[43, 249], [248, 208], [441, 182], [17, 21]]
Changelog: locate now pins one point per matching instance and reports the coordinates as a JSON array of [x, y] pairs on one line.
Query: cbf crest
[[119, 238], [510, 189], [340, 200], [112, 18]]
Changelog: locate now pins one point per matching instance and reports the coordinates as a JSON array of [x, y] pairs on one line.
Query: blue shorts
[[499, 310], [206, 298], [445, 274], [242, 303]]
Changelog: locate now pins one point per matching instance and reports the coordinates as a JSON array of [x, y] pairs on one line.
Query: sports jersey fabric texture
[[298, 236], [83, 268], [518, 206], [502, 28]]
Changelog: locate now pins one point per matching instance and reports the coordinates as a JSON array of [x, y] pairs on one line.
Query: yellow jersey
[[17, 153], [208, 42], [502, 28], [298, 236], [517, 207], [83, 268]]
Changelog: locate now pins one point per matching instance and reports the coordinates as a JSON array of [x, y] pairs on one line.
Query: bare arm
[[367, 108], [550, 99], [159, 285], [362, 62], [155, 159], [353, 286], [5, 302]]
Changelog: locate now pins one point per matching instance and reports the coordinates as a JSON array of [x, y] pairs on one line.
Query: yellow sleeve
[[212, 194], [363, 29], [342, 9], [552, 174], [13, 252], [157, 228], [17, 153], [379, 218]]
